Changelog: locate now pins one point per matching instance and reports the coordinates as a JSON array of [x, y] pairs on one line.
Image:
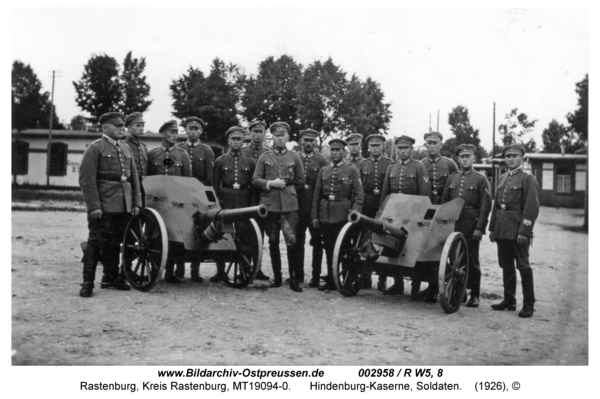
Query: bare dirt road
[[212, 324]]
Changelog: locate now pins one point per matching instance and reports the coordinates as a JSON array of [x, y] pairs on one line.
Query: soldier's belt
[[333, 198], [237, 186], [505, 208], [120, 179], [308, 187], [373, 192]]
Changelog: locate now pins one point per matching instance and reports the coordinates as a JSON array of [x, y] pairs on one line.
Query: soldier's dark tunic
[[233, 179], [202, 158], [108, 180], [372, 174], [514, 212], [438, 169], [312, 164], [356, 161], [282, 204], [255, 152], [338, 191], [474, 189], [409, 177], [140, 155], [172, 161]]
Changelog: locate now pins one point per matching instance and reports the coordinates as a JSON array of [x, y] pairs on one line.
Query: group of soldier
[[305, 191]]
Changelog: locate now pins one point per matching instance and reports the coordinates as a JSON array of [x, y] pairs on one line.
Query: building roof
[[555, 156]]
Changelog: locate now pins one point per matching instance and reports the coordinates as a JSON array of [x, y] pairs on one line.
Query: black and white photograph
[[309, 185]]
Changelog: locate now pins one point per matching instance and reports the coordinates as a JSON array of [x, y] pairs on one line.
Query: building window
[[563, 180], [547, 176], [58, 159], [20, 157], [580, 176]]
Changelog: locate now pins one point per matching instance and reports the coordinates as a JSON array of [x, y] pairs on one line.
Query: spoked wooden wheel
[[453, 272], [145, 249], [243, 263], [346, 260]]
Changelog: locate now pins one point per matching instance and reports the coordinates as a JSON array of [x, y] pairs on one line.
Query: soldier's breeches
[[510, 252], [286, 223], [104, 239], [329, 235]]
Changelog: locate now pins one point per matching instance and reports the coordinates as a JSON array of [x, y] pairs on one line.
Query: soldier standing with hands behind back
[[110, 186], [279, 174], [511, 227], [474, 189]]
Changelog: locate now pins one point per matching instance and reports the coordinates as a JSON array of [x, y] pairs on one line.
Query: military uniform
[[254, 152], [312, 164], [173, 161], [407, 177], [202, 159], [108, 180], [282, 204], [474, 189], [338, 191], [438, 169], [514, 212], [351, 139], [356, 161], [233, 180]]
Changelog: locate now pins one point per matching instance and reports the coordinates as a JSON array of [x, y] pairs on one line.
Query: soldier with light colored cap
[[338, 190], [514, 213], [354, 141], [474, 189]]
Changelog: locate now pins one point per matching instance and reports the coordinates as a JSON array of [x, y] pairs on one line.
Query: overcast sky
[[425, 59]]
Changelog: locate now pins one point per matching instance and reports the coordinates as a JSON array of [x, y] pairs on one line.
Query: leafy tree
[[214, 99], [99, 90], [30, 106], [79, 122], [362, 108], [272, 95], [553, 136], [516, 126], [464, 133], [320, 92], [135, 90], [579, 119]]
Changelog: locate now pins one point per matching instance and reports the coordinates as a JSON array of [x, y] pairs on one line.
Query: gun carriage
[[408, 229], [183, 218]]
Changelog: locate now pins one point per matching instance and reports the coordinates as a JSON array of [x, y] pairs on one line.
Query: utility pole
[[49, 153], [430, 122], [493, 153], [438, 122]]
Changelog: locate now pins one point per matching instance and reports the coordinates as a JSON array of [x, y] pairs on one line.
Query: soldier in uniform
[[511, 226], [247, 139], [338, 190], [280, 176], [135, 127], [202, 158], [111, 190], [474, 189], [439, 168], [233, 180], [372, 172], [354, 141], [406, 176], [254, 150], [168, 159], [312, 163]]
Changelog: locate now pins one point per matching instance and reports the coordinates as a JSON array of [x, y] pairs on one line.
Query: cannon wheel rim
[[346, 269], [453, 272], [144, 274], [247, 266]]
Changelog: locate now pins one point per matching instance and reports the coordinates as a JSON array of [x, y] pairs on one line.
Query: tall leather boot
[[276, 264], [527, 286], [89, 272], [170, 276], [317, 260], [180, 270], [294, 267], [220, 275], [509, 277], [195, 272]]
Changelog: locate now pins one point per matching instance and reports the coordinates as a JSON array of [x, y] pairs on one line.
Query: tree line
[[321, 96]]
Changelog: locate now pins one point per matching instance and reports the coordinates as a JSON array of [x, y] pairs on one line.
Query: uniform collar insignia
[[376, 159], [280, 152], [305, 155], [165, 149], [515, 171], [113, 142], [466, 172], [197, 143], [337, 165], [406, 162], [434, 160]]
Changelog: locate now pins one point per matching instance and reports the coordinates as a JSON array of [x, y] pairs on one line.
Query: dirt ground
[[212, 324]]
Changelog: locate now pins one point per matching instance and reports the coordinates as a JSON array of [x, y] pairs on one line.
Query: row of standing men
[[306, 192]]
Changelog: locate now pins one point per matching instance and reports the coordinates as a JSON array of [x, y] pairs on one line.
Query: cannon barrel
[[210, 224], [376, 226]]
